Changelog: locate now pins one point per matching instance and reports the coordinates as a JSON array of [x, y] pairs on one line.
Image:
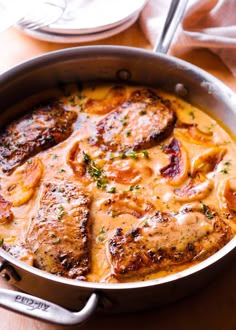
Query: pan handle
[[44, 310], [174, 16]]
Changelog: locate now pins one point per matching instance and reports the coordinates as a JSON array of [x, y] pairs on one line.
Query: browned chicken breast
[[139, 123], [42, 128], [165, 240], [59, 235]]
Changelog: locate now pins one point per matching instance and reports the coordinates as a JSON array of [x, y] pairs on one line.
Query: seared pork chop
[[39, 130], [139, 123], [59, 235], [165, 240]]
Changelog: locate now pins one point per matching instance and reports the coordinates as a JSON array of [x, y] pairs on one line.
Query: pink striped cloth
[[206, 23]]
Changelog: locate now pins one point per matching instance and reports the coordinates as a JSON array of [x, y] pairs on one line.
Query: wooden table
[[214, 307]]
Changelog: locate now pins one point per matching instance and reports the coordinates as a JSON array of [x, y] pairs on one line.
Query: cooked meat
[[6, 214], [20, 251], [164, 240], [140, 123], [59, 234], [42, 128], [101, 206]]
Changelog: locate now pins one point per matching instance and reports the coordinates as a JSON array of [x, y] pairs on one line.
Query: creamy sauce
[[138, 176]]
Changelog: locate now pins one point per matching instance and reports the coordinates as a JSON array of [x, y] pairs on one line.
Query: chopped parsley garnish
[[192, 115], [61, 212], [162, 147], [101, 236], [123, 155], [87, 158], [61, 170], [133, 154], [1, 241], [208, 213], [145, 223], [136, 187], [124, 121], [142, 112], [111, 190], [56, 240], [113, 214], [96, 172], [225, 170], [145, 154], [209, 129]]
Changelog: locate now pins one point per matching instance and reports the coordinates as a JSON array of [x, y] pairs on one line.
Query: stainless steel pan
[[113, 64], [56, 299]]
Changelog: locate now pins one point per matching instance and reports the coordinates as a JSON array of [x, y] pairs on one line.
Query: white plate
[[12, 11], [65, 38], [93, 16]]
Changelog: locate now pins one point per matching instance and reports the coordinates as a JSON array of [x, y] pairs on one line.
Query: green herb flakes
[[62, 170], [145, 154], [192, 114], [133, 154], [142, 112], [136, 187], [111, 190], [95, 172], [101, 236], [225, 170], [208, 213], [61, 212]]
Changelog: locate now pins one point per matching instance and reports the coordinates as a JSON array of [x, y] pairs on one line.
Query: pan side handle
[[44, 310]]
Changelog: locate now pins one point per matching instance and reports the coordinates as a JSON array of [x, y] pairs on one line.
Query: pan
[[69, 302]]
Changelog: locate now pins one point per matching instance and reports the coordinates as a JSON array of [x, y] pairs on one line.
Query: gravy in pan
[[116, 183]]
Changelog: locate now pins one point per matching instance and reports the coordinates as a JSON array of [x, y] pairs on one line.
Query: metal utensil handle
[[43, 310], [174, 16]]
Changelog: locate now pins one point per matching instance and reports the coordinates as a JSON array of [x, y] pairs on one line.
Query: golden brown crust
[[39, 130], [59, 233], [139, 123], [159, 244]]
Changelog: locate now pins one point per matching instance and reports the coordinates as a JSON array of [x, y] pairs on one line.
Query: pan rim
[[96, 51], [210, 261]]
